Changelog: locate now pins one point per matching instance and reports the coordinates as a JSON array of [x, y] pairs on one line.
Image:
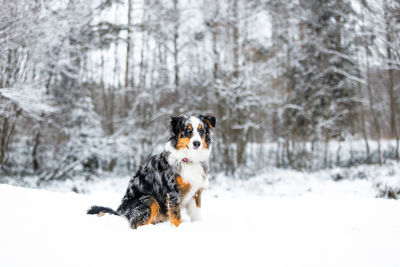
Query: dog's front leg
[[193, 208], [174, 210]]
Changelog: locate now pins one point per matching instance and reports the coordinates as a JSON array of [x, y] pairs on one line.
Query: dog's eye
[[187, 131], [201, 131]]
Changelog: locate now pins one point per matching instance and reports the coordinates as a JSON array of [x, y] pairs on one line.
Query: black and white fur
[[171, 180]]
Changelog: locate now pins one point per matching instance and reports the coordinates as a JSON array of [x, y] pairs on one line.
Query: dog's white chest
[[193, 173]]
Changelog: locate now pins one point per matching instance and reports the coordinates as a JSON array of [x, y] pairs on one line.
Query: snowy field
[[284, 218]]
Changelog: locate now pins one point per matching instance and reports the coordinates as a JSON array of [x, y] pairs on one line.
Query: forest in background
[[88, 86]]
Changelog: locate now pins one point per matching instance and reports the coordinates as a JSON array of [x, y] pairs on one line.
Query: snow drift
[[42, 228]]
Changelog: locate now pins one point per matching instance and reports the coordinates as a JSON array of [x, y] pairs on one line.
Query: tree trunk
[[214, 42], [176, 49], [392, 97], [372, 110], [235, 30], [35, 161], [7, 134], [128, 54], [4, 131], [144, 47], [361, 113]]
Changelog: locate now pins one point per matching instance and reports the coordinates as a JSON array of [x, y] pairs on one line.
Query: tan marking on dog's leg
[[174, 210], [197, 198], [175, 217], [154, 210]]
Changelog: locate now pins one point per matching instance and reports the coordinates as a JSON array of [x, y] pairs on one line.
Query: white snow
[[329, 227]]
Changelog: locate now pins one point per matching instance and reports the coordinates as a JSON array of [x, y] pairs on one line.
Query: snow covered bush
[[389, 187]]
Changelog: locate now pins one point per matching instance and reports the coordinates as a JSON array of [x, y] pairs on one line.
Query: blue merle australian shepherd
[[172, 180]]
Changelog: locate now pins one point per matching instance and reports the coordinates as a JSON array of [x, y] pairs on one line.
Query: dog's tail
[[100, 211]]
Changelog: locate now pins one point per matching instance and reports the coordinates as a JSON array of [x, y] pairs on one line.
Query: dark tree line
[[88, 86]]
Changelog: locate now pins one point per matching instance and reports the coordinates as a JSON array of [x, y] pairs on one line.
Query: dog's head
[[191, 137]]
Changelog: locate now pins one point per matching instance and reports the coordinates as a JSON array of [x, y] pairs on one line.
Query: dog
[[172, 180]]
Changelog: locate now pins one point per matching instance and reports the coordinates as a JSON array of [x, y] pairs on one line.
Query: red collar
[[186, 160]]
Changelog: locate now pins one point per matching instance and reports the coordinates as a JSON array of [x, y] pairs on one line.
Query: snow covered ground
[[284, 218]]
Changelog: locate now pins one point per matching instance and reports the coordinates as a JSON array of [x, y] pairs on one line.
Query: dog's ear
[[175, 122], [210, 120]]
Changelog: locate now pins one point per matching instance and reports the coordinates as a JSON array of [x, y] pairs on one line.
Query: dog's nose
[[196, 144]]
